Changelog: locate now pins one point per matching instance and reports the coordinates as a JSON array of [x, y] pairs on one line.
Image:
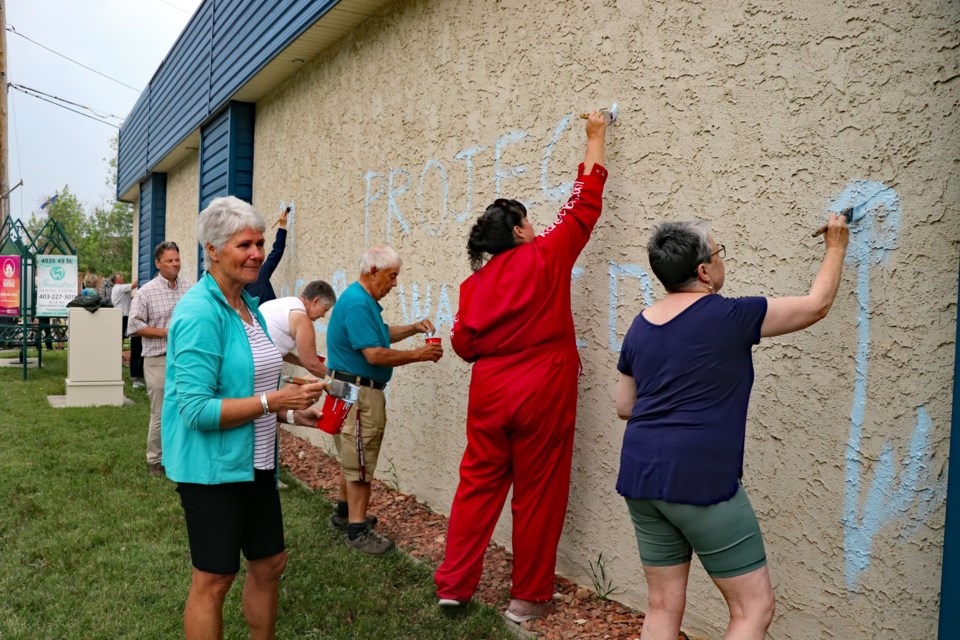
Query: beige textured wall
[[183, 201], [758, 117]]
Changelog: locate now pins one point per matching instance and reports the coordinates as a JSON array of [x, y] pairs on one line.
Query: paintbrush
[[298, 380], [612, 113], [343, 390], [846, 213], [286, 212]]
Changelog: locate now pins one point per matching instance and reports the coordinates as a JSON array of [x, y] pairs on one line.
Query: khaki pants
[[154, 374], [372, 406]]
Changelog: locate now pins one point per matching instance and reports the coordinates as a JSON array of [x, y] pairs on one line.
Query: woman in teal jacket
[[219, 430]]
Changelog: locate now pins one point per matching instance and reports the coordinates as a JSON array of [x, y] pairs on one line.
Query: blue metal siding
[[226, 157], [950, 574], [225, 44], [240, 171], [226, 154], [265, 29], [132, 143], [214, 158], [180, 88], [153, 223]]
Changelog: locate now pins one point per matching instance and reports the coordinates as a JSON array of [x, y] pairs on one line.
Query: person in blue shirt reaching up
[[261, 287], [686, 371]]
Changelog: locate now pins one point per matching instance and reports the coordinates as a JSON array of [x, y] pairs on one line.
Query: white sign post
[[56, 284]]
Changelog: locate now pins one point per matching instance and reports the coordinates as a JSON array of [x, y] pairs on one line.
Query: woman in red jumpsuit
[[515, 324]]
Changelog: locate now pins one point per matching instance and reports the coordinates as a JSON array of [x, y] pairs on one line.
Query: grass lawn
[[92, 547]]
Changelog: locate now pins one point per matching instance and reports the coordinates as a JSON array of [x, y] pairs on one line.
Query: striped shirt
[[152, 307], [267, 364]]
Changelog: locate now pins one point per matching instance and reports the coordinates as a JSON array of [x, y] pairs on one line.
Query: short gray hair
[[676, 249], [381, 256], [222, 218], [319, 289]]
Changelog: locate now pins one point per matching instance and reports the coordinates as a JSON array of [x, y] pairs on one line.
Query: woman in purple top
[[686, 371]]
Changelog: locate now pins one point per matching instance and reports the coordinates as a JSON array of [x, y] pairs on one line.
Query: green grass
[[92, 547]]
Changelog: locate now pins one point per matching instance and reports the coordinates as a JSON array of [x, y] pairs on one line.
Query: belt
[[359, 380]]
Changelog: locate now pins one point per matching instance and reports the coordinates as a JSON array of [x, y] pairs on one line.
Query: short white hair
[[222, 218], [381, 256]]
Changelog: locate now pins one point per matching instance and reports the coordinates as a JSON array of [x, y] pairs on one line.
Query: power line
[[62, 106], [175, 6], [95, 112], [14, 31]]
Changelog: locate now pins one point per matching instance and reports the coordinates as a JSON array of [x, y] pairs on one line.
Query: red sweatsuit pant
[[520, 424]]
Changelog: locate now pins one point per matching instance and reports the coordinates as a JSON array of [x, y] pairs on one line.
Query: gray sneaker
[[369, 542], [340, 523]]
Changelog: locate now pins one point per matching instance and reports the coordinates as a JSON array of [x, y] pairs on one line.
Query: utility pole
[[4, 137]]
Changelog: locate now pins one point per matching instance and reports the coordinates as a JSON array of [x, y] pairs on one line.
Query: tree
[[108, 241], [103, 239], [68, 211]]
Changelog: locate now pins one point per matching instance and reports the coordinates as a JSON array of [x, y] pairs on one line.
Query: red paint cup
[[432, 340], [321, 358], [335, 413]]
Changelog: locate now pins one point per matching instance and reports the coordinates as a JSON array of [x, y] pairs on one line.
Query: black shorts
[[225, 519]]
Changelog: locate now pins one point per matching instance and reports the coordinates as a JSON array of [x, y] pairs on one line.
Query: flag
[[51, 200]]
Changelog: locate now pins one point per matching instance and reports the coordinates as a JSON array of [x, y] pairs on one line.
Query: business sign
[[56, 284], [9, 285]]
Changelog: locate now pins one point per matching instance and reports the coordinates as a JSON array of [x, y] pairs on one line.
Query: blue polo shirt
[[685, 436], [355, 324]]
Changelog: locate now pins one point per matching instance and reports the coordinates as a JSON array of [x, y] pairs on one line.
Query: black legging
[[136, 349]]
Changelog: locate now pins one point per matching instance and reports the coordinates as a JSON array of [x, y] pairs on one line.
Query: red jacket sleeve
[[461, 335], [569, 233]]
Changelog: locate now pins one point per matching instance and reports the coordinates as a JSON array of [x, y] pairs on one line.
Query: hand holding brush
[[282, 220]]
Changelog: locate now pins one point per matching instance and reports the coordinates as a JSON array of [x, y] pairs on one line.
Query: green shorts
[[726, 536]]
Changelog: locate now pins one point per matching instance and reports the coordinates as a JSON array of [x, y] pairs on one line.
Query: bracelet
[[290, 418], [263, 401]]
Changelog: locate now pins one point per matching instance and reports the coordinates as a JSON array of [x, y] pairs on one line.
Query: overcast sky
[[49, 146]]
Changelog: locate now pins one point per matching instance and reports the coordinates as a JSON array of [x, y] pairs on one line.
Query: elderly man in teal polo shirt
[[358, 351]]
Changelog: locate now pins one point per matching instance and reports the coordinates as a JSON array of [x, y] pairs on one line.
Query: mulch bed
[[421, 534]]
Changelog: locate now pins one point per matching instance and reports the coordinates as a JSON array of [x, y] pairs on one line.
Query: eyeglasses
[[722, 251]]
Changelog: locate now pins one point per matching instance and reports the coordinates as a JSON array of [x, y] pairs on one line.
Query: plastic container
[[335, 413]]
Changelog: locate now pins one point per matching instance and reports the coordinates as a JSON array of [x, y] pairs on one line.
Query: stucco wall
[[182, 202], [757, 117]]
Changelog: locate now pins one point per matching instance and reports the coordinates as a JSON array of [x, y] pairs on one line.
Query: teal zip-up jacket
[[208, 359]]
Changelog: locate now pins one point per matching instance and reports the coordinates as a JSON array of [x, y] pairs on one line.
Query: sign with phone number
[[56, 284]]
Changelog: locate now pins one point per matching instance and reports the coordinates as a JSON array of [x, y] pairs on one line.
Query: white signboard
[[56, 284]]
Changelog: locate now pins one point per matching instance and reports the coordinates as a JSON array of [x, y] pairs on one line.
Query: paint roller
[[612, 113]]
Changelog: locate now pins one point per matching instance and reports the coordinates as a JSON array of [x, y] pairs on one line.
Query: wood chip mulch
[[421, 534]]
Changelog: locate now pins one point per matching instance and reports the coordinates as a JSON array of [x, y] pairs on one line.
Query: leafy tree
[[68, 211], [103, 239], [108, 242]]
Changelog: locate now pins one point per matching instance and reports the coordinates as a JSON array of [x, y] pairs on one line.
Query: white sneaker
[[138, 384], [448, 602]]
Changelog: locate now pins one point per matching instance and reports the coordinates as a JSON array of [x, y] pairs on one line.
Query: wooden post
[[4, 137]]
